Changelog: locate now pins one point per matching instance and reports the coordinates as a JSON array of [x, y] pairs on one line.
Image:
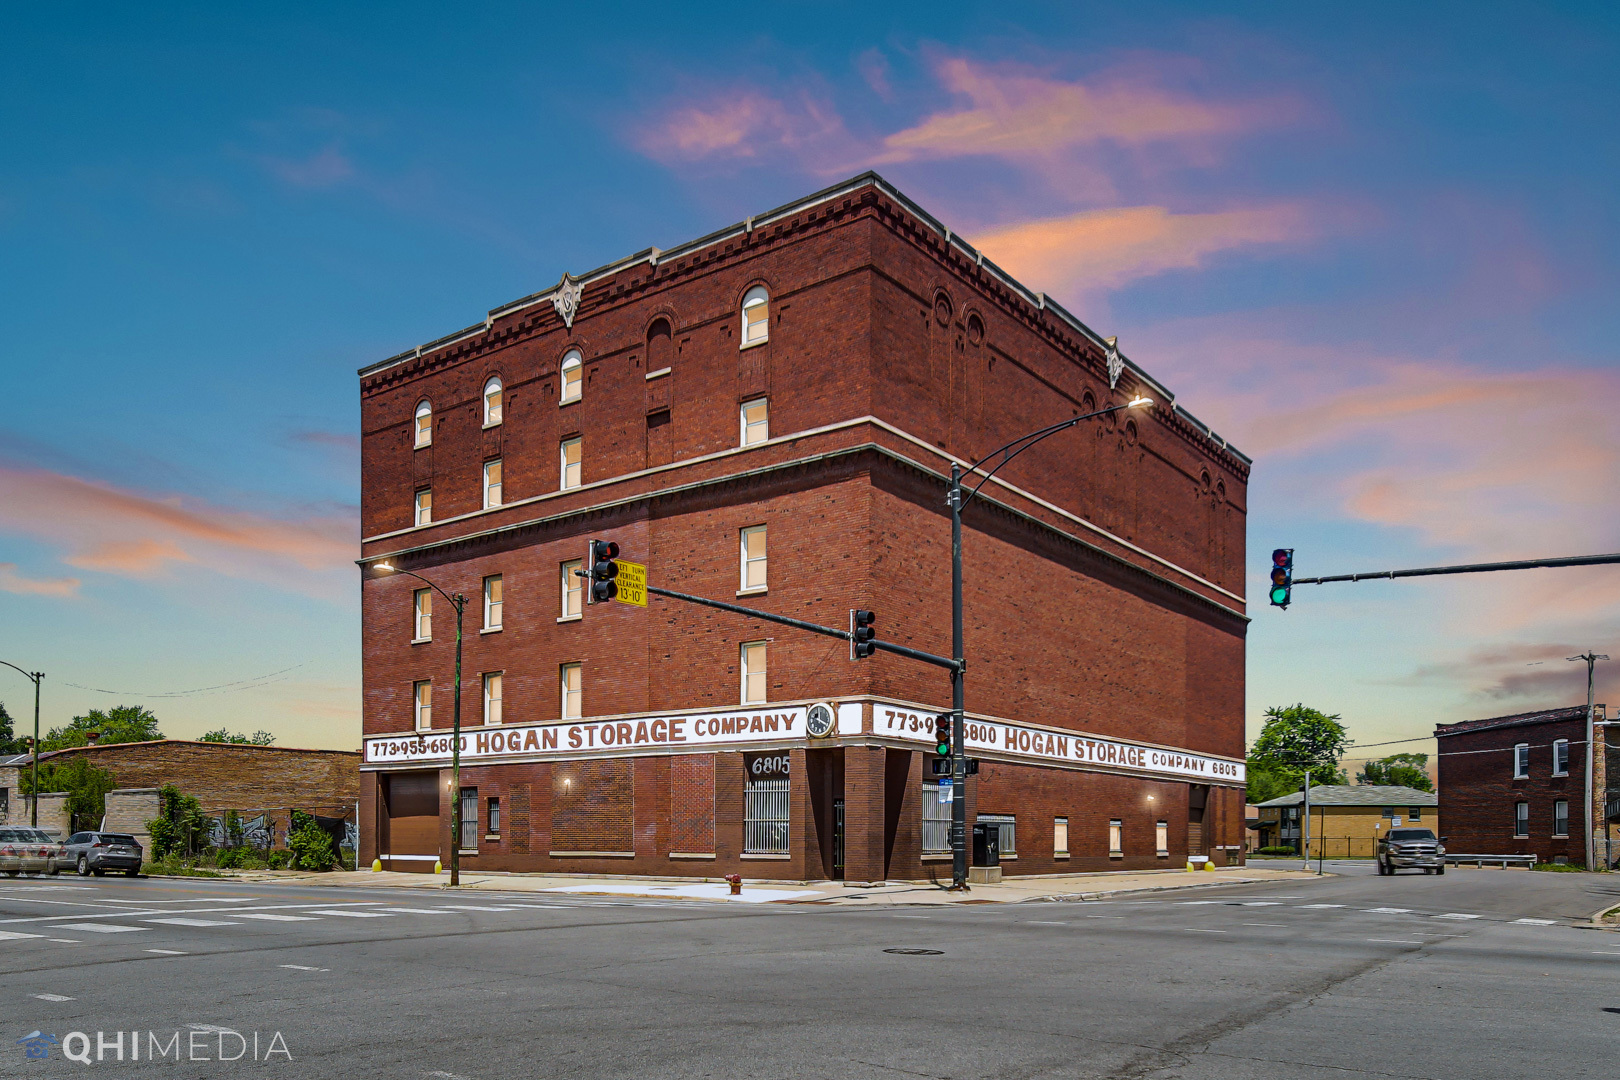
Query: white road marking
[[1191, 930], [100, 928], [1264, 924], [1456, 915], [1388, 910], [421, 910], [1537, 922], [193, 922], [168, 952], [52, 997], [1195, 903], [1261, 903], [1037, 922], [352, 914], [472, 907], [1394, 941], [1105, 916], [9, 935], [266, 917], [911, 916], [65, 940], [301, 967], [1309, 907]]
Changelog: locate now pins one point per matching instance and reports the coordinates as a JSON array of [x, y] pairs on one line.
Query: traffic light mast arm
[[1467, 568], [800, 624]]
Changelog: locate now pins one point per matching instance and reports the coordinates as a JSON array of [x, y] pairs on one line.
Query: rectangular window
[[1561, 757], [493, 817], [492, 483], [1116, 838], [1561, 817], [1161, 838], [573, 379], [424, 426], [1414, 813], [422, 609], [1007, 838], [573, 589], [469, 819], [765, 815], [424, 506], [756, 424], [753, 672], [1521, 819], [572, 449], [1060, 838], [492, 697], [573, 691], [1521, 761], [424, 705], [493, 602], [753, 558], [936, 819]]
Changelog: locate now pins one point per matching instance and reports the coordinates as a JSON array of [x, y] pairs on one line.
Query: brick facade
[[1479, 791], [1103, 572]]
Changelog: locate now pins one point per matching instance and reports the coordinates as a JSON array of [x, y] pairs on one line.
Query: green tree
[[86, 784], [119, 724], [1405, 770], [258, 738], [9, 743], [1296, 738], [1267, 783], [310, 843], [180, 824]]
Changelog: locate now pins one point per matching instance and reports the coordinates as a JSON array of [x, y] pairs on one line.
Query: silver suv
[[98, 852], [1414, 849]]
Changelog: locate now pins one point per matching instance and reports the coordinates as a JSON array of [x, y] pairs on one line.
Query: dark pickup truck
[[1411, 849]]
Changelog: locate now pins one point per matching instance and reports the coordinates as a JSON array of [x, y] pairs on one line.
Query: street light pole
[[1591, 659], [459, 602], [957, 501], [35, 677]]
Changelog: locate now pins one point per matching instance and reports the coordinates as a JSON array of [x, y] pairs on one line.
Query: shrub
[[311, 846], [180, 824], [1277, 849]]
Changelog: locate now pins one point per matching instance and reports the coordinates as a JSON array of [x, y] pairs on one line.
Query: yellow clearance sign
[[632, 583]]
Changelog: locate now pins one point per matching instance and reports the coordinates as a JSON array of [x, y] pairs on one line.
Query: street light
[[33, 677], [956, 500], [459, 602]]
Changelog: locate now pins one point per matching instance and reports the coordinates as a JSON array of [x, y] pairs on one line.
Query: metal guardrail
[[1526, 861]]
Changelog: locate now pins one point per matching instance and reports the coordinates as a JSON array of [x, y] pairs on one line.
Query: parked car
[[97, 852], [26, 850], [1402, 849]]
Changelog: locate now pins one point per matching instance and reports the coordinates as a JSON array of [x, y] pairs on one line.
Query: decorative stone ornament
[[566, 299], [1116, 366]]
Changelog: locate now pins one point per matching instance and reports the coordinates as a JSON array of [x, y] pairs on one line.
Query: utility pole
[[1305, 848], [1591, 659]]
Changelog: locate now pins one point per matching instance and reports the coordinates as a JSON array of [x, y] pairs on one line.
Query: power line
[[223, 688]]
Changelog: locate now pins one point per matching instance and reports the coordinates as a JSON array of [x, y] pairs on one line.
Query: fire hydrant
[[735, 881]]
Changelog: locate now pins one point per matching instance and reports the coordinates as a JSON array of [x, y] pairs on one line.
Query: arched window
[[573, 376], [660, 347], [492, 401], [756, 316], [424, 424]]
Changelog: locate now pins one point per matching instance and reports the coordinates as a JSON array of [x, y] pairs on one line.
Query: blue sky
[[1374, 249]]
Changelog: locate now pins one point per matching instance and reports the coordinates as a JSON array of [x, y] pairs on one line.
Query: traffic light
[[942, 734], [603, 571], [1282, 576], [861, 634]]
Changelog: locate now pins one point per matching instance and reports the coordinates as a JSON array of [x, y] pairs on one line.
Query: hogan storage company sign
[[1040, 746]]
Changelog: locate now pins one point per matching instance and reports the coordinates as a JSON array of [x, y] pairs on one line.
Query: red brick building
[[1515, 785], [771, 413]]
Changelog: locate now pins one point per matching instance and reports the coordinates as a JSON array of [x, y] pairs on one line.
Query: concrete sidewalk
[[1010, 891]]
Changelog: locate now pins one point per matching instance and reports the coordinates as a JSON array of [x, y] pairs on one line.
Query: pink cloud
[[745, 124], [1103, 249], [120, 531], [1017, 114], [12, 581], [324, 168]]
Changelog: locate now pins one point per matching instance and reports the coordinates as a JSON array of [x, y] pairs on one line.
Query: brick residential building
[[1515, 785], [770, 413]]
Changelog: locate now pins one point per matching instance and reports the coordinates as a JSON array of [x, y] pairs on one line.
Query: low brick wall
[[128, 811]]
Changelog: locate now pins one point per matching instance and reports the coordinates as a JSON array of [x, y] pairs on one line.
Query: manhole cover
[[915, 952]]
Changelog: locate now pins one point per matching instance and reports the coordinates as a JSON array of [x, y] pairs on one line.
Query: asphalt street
[[1476, 974]]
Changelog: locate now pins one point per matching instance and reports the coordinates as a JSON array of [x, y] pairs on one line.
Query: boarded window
[[593, 806], [691, 803]]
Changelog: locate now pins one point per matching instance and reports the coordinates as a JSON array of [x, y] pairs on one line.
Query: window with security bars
[[765, 816], [469, 819], [936, 819]]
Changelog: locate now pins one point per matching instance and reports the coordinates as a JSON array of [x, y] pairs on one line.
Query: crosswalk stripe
[[415, 911], [265, 917], [353, 914], [99, 928], [193, 922], [10, 935], [1456, 915], [1537, 922]]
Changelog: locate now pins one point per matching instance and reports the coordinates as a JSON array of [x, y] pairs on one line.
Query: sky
[[1375, 248]]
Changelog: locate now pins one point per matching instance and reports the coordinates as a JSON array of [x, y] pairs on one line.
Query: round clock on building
[[819, 720]]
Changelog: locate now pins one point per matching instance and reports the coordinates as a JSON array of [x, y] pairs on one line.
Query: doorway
[[411, 839]]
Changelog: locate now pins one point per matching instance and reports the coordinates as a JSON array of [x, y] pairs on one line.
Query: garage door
[[413, 821]]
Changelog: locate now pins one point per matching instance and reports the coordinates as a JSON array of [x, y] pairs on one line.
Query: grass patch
[[1557, 868]]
